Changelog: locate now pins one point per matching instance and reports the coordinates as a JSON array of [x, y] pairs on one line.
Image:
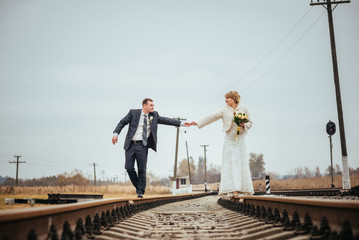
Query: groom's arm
[[124, 121], [169, 121]]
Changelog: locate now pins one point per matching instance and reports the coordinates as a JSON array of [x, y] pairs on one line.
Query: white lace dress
[[235, 173]]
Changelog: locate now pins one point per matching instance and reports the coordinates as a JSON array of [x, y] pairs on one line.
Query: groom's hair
[[146, 100]]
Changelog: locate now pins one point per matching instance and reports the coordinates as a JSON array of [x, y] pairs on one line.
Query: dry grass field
[[306, 183], [116, 191], [110, 191]]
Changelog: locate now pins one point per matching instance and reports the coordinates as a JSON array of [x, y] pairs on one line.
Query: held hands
[[114, 140], [188, 124]]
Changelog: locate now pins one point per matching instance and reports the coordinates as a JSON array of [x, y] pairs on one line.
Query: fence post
[[267, 184]]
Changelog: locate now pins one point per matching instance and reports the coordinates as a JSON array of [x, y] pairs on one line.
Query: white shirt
[[138, 134]]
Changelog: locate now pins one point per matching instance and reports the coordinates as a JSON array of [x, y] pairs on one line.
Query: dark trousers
[[137, 152]]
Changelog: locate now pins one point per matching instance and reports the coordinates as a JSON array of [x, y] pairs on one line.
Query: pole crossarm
[[323, 2], [17, 162]]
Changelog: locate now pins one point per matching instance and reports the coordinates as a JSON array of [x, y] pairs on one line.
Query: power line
[[285, 53], [281, 57], [48, 165], [272, 50], [261, 60]]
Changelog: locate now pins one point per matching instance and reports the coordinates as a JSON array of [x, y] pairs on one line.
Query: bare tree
[[307, 172], [256, 164], [338, 171], [183, 167], [213, 174], [298, 172], [199, 177], [329, 170]]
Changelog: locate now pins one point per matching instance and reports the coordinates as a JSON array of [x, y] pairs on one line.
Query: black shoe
[[139, 195]]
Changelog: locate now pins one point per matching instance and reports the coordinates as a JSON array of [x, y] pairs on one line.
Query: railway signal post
[[331, 131]]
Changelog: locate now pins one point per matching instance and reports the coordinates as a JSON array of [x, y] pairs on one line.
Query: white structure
[[181, 185]]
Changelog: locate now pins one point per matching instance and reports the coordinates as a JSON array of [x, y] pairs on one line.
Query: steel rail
[[205, 219], [22, 223], [42, 223], [306, 192], [337, 212]]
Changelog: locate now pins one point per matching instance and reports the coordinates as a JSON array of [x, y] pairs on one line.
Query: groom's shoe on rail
[[139, 195]]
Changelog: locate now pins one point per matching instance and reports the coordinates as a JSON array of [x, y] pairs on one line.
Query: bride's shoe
[[235, 193], [246, 194], [226, 196]]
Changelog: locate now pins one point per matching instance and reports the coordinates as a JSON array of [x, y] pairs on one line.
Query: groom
[[141, 135]]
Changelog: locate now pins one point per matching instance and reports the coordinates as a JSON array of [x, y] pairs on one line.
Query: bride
[[235, 173]]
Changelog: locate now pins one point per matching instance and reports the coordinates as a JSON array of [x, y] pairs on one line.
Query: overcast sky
[[71, 70]]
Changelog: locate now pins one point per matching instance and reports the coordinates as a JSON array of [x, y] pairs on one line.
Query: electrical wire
[[261, 60], [285, 53]]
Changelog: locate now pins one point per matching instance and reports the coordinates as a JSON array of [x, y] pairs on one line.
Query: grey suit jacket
[[133, 119]]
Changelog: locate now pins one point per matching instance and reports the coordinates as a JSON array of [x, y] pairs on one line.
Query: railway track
[[237, 218], [197, 216], [76, 220]]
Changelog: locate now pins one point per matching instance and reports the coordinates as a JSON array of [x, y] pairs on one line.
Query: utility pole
[[103, 175], [17, 167], [205, 167], [94, 172], [125, 173], [328, 5], [189, 165], [176, 154]]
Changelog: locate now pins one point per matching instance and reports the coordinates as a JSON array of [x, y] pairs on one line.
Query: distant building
[[181, 182], [180, 185]]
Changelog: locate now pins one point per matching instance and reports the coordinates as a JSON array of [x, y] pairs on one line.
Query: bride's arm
[[248, 125], [210, 119]]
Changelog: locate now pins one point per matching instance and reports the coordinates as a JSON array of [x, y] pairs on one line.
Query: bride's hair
[[234, 95]]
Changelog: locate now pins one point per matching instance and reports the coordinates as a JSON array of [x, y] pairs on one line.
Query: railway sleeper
[[225, 228], [294, 227], [243, 221], [100, 223]]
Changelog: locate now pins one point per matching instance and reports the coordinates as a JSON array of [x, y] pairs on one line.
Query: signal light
[[331, 128]]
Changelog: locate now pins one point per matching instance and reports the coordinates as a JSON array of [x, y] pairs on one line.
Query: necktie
[[144, 134]]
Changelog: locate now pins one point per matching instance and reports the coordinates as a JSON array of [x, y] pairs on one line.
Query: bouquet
[[238, 119]]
